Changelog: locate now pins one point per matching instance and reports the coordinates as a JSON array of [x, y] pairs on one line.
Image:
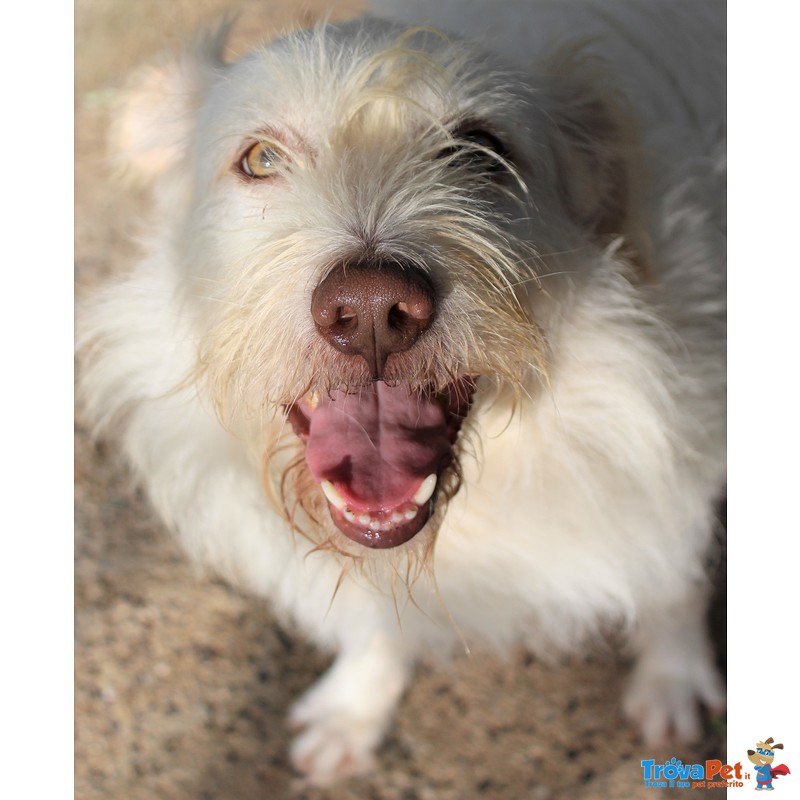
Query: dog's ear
[[154, 115], [597, 151]]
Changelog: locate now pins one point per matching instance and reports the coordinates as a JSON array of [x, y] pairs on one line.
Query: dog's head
[[764, 753], [358, 217]]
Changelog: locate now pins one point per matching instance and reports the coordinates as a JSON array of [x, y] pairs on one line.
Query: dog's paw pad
[[335, 747]]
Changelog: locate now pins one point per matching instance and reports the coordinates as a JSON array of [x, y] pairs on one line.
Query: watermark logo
[[713, 773], [710, 774], [762, 758]]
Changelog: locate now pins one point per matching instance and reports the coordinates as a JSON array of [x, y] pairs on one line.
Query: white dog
[[428, 348]]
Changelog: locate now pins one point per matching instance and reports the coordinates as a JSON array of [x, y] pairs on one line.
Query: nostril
[[421, 309], [345, 323], [398, 316], [327, 312], [345, 314], [404, 317]]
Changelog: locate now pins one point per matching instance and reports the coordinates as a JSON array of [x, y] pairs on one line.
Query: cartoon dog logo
[[762, 757]]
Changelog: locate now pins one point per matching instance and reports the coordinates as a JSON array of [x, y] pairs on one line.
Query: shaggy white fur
[[564, 216]]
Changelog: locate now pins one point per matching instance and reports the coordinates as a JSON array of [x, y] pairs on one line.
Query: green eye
[[261, 161]]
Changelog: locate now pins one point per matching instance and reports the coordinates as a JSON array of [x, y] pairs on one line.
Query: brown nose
[[373, 309]]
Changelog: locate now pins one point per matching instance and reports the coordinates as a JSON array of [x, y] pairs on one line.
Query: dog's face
[[358, 217], [764, 753]]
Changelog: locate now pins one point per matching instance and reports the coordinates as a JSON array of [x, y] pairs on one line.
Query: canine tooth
[[425, 491], [312, 400], [332, 493], [410, 513]]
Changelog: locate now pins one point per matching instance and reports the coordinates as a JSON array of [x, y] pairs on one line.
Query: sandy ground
[[182, 683]]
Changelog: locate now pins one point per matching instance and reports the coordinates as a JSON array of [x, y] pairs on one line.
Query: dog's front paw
[[343, 717], [664, 699], [333, 743]]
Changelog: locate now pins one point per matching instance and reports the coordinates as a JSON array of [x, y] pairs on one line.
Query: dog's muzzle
[[378, 451]]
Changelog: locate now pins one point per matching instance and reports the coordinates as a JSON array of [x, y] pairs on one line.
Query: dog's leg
[[344, 716], [674, 673]]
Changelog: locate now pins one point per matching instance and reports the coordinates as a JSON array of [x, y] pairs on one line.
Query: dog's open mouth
[[379, 454]]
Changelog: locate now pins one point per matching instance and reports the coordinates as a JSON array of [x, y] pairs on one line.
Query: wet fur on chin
[[584, 286]]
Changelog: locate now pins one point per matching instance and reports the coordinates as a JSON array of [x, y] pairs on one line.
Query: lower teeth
[[397, 516], [373, 523]]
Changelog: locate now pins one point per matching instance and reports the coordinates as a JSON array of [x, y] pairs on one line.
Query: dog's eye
[[262, 160], [477, 150]]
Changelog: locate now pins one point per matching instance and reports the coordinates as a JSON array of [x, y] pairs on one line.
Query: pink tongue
[[378, 444]]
